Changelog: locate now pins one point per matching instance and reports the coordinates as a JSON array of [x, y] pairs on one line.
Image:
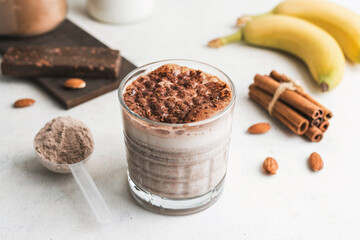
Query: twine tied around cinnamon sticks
[[284, 99], [291, 85]]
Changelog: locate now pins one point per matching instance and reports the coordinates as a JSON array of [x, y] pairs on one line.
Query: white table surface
[[294, 204]]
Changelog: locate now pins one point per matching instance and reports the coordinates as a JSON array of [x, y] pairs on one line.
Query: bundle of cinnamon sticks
[[296, 109]]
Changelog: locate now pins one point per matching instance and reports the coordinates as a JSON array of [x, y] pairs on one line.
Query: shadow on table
[[111, 182], [55, 184], [116, 192], [39, 173]]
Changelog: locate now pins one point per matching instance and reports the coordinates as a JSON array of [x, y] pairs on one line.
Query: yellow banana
[[341, 23], [317, 48]]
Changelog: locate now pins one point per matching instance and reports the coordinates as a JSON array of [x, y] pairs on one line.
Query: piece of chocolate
[[89, 62]]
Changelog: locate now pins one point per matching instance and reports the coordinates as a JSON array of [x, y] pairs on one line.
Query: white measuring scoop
[[86, 184]]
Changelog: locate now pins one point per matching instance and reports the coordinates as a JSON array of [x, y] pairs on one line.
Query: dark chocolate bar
[[89, 62]]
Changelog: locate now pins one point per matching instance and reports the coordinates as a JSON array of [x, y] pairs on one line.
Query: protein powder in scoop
[[60, 144], [64, 140]]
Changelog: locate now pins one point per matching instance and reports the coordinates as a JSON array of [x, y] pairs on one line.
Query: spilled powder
[[64, 140]]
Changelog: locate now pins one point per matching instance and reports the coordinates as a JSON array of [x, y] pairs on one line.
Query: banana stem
[[241, 21], [324, 87], [219, 42]]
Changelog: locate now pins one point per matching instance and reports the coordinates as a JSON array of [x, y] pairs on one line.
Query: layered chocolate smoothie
[[177, 124]]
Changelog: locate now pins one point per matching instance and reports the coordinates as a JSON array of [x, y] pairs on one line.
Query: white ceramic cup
[[120, 11]]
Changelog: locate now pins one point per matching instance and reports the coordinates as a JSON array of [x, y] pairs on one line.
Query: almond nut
[[25, 102], [259, 128], [74, 83], [315, 162], [270, 165]]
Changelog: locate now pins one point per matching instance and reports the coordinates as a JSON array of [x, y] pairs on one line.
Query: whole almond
[[74, 83], [24, 102], [270, 165], [259, 128], [315, 162]]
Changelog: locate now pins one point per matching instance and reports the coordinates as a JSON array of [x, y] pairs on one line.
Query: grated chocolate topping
[[176, 94]]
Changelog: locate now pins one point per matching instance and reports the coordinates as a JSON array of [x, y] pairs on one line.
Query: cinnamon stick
[[289, 117], [283, 78], [291, 98], [314, 134], [279, 77], [315, 122], [324, 126], [327, 113]]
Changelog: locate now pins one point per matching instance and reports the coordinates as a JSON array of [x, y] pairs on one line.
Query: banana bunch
[[316, 31]]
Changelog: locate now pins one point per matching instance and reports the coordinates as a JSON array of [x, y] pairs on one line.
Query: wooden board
[[69, 34]]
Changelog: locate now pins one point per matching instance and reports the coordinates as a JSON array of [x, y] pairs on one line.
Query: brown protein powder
[[64, 140]]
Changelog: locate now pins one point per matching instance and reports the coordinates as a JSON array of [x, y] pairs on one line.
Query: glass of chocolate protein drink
[[177, 117]]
